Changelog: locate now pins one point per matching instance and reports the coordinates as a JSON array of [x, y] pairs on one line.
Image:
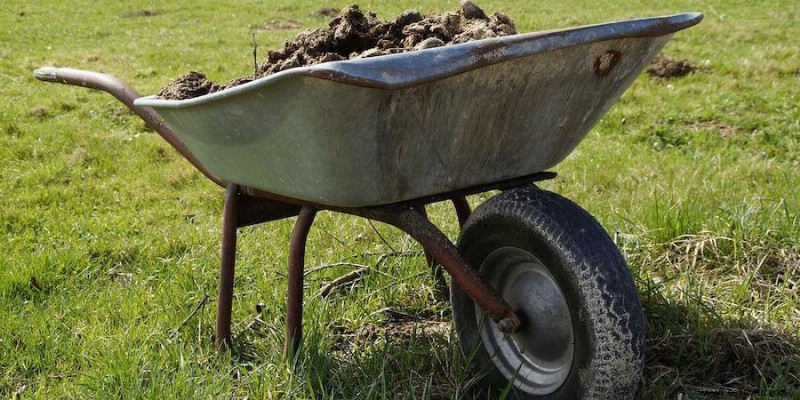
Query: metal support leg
[[462, 209], [447, 255], [226, 270], [442, 291], [294, 305]]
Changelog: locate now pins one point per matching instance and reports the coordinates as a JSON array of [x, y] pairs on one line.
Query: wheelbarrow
[[539, 290]]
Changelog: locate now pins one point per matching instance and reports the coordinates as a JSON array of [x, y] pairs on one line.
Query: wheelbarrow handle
[[125, 94]]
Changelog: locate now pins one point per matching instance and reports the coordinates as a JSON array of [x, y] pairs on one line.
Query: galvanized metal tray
[[391, 128]]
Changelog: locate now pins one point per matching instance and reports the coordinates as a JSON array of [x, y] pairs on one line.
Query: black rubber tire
[[606, 313]]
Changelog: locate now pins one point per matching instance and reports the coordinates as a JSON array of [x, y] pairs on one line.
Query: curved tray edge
[[402, 70]]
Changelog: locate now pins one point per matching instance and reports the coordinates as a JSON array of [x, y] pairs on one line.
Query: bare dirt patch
[[356, 34], [276, 25], [667, 68], [140, 13], [398, 327], [325, 12], [397, 332], [724, 130]]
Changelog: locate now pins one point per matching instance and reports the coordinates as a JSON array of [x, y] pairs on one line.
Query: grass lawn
[[109, 250]]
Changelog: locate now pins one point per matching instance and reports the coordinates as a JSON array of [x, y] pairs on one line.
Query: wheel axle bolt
[[506, 326]]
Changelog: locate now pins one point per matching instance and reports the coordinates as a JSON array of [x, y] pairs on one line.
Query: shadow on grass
[[691, 353], [410, 357], [694, 352]]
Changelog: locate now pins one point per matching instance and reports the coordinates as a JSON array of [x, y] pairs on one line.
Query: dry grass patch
[[722, 314]]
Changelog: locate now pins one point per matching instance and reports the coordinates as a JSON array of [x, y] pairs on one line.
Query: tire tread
[[610, 306]]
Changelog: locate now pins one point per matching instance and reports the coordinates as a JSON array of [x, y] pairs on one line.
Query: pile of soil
[[399, 328], [666, 68], [355, 34]]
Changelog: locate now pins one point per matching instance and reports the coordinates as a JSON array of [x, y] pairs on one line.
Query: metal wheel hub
[[537, 358]]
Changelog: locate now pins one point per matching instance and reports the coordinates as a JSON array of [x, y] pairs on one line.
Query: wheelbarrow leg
[[462, 209], [447, 255], [294, 302], [442, 291], [226, 270]]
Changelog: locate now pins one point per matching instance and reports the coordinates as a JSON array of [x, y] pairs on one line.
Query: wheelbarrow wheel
[[582, 333]]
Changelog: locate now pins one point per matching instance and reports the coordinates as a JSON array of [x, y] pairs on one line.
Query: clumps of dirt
[[667, 68], [140, 13], [356, 34], [191, 85]]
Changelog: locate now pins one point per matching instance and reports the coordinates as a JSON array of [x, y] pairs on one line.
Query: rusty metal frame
[[438, 273], [463, 212], [294, 298], [444, 252], [245, 207], [226, 269]]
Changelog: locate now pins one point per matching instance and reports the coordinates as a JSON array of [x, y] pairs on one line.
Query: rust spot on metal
[[605, 63]]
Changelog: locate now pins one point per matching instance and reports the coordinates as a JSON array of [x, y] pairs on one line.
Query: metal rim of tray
[[392, 71]]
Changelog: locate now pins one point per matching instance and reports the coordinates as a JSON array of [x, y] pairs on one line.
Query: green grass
[[110, 239]]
